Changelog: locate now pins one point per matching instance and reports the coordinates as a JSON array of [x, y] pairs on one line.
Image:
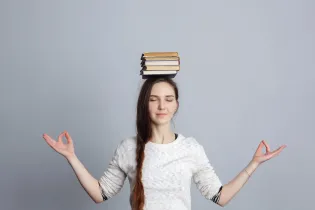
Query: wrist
[[251, 167], [71, 157]]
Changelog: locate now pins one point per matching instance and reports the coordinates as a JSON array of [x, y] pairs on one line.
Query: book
[[156, 72], [162, 75], [159, 63], [158, 58], [148, 74], [159, 54], [161, 68]]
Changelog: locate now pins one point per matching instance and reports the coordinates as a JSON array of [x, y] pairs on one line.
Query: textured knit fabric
[[167, 173]]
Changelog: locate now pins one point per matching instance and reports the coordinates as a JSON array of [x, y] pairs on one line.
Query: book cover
[[159, 54], [161, 58]]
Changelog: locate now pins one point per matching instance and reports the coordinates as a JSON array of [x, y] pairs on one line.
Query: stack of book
[[159, 63]]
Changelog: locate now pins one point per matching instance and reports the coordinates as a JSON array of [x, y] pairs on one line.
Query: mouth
[[161, 114]]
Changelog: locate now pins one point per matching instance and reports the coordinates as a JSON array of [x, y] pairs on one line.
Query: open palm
[[66, 150]]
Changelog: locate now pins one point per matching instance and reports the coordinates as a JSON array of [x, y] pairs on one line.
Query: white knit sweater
[[167, 173]]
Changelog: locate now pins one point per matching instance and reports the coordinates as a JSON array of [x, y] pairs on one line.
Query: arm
[[87, 181], [234, 186], [109, 184]]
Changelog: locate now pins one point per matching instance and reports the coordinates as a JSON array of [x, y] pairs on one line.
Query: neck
[[162, 134]]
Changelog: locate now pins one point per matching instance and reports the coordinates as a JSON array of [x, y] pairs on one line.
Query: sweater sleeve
[[113, 178], [205, 177]]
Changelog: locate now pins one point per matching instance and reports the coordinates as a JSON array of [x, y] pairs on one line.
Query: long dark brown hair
[[144, 132]]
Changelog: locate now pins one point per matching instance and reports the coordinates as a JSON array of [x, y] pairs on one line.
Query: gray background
[[247, 74]]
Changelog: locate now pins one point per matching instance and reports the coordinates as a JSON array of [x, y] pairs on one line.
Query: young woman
[[159, 163]]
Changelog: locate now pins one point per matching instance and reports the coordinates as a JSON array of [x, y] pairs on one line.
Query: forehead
[[162, 88]]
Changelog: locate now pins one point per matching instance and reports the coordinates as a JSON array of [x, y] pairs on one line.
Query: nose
[[161, 105]]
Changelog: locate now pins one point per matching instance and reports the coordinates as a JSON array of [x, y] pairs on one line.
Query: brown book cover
[[158, 58], [161, 68], [159, 54]]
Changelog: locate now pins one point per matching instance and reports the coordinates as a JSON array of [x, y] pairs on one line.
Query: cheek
[[152, 107], [173, 108]]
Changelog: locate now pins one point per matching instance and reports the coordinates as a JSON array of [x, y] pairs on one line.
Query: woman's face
[[162, 103]]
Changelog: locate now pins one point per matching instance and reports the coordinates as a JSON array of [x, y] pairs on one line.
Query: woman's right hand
[[67, 150]]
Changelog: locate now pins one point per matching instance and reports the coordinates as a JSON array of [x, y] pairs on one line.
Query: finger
[[49, 140], [259, 149], [277, 151], [60, 137], [68, 137], [267, 146]]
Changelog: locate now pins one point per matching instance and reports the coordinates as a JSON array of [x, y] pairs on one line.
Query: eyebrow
[[165, 96]]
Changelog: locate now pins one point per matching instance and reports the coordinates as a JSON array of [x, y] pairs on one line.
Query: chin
[[160, 122]]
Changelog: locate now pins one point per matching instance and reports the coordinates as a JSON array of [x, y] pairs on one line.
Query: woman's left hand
[[260, 157]]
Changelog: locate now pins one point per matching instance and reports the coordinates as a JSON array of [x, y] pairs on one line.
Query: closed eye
[[168, 98]]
